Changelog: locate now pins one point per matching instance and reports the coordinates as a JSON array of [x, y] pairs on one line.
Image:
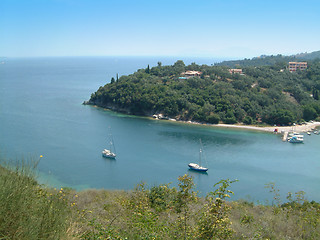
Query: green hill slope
[[267, 94], [270, 60]]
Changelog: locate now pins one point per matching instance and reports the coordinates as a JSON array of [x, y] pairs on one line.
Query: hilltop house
[[293, 66], [235, 70], [189, 74]]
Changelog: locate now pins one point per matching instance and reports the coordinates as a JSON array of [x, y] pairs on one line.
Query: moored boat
[[111, 152], [296, 139], [108, 154], [198, 167]]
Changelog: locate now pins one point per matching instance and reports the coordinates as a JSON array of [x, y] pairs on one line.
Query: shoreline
[[308, 127], [280, 129]]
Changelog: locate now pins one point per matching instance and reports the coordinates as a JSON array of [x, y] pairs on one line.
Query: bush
[[28, 211], [213, 118]]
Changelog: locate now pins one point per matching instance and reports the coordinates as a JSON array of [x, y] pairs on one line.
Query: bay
[[41, 113]]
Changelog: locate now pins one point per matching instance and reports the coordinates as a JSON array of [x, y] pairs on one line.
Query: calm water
[[41, 113]]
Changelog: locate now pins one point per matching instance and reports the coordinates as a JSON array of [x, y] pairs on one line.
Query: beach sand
[[307, 127], [297, 128]]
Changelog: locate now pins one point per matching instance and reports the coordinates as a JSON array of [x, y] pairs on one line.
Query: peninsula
[[268, 92]]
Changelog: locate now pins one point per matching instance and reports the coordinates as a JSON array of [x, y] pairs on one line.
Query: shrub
[[27, 210]]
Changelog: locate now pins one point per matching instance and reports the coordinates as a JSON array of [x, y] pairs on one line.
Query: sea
[[41, 113]]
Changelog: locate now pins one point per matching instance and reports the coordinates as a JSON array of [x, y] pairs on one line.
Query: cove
[[42, 113]]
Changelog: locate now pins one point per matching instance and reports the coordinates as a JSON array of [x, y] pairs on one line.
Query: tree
[[179, 67], [185, 196], [309, 113], [148, 69], [214, 222], [281, 117], [248, 120], [230, 118], [213, 118], [316, 94]]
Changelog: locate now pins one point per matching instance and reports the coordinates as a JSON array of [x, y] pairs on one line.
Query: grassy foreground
[[31, 211]]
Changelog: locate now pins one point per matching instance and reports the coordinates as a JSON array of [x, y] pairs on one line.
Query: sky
[[188, 28]]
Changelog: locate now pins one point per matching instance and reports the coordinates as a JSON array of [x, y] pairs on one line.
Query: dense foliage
[[265, 94]]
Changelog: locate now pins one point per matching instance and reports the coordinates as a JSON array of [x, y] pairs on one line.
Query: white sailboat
[[198, 167], [111, 152]]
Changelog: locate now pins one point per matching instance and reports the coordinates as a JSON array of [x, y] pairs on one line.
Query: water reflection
[[194, 172]]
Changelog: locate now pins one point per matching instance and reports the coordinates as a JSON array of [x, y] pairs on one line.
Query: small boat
[[108, 154], [198, 167], [296, 139], [111, 152], [309, 133]]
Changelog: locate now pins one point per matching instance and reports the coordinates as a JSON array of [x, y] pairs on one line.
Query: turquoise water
[[42, 113]]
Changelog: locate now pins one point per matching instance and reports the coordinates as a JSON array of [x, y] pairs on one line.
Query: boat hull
[[296, 139], [108, 156], [196, 167]]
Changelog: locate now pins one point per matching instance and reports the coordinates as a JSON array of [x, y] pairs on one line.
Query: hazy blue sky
[[212, 28]]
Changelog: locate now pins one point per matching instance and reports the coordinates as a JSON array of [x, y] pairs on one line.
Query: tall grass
[[27, 210]]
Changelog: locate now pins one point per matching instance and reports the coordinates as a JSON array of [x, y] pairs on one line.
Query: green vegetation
[[278, 60], [263, 94], [30, 211], [162, 212]]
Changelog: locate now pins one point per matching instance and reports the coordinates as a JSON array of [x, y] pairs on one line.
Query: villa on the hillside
[[293, 66], [235, 70], [189, 74]]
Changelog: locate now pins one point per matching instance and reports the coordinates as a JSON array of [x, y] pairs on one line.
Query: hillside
[[32, 211], [264, 60], [262, 94]]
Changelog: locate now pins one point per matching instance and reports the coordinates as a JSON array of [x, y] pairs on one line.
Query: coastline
[[307, 127], [281, 129]]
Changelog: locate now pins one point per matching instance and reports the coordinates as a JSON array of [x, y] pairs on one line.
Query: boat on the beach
[[198, 167], [111, 152]]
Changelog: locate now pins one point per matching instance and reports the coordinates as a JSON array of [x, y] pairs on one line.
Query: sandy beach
[[307, 127], [281, 129]]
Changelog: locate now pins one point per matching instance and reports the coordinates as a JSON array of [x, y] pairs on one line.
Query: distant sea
[[41, 113]]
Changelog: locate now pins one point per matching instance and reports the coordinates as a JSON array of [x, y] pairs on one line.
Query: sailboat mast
[[114, 148], [200, 153]]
